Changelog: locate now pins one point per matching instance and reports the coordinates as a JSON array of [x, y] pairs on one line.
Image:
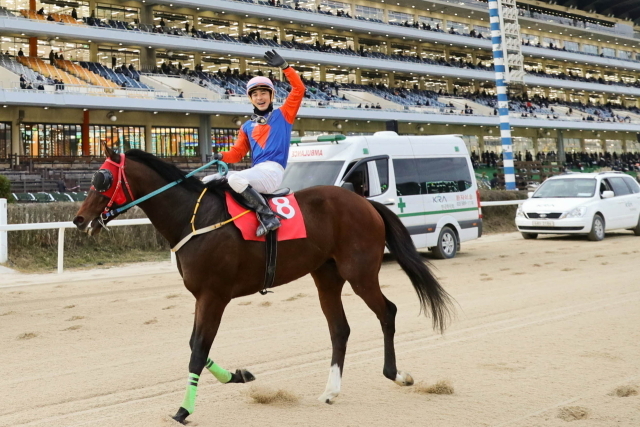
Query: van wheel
[[529, 236], [447, 246], [597, 229]]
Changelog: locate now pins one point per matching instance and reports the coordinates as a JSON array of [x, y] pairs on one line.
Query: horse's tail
[[430, 293]]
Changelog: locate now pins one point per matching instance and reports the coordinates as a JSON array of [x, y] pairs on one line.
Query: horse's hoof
[[328, 397], [403, 379], [181, 415], [241, 376]]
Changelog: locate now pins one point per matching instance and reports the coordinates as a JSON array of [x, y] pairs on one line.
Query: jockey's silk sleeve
[[292, 104], [238, 150]]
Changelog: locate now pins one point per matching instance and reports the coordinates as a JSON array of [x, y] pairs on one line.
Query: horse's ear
[[110, 154]]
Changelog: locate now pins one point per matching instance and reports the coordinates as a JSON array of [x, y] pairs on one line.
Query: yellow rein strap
[[195, 232]]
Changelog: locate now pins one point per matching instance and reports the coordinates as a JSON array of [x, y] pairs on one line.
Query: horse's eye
[[102, 180]]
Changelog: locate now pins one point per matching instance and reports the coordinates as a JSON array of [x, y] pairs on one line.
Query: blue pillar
[[503, 101]]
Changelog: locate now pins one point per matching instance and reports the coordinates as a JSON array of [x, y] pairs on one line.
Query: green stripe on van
[[438, 212]]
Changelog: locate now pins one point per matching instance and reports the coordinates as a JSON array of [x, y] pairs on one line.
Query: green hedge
[[500, 219], [5, 189], [36, 250]]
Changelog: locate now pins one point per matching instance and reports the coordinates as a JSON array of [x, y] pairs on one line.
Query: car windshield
[[568, 187], [300, 175]]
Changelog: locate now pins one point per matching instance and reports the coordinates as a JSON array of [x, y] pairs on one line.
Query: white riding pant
[[264, 177]]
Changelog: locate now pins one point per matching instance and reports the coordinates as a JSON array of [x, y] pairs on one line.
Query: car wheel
[[447, 246], [597, 229], [529, 236], [636, 229]]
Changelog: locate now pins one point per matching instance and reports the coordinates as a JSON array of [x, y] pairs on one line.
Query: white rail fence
[[61, 226]]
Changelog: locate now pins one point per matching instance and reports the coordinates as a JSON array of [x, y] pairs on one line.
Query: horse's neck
[[170, 212]]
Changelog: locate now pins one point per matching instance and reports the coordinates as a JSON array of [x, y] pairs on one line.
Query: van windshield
[[569, 187], [300, 175]]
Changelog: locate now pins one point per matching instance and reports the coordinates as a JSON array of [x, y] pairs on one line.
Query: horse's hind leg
[[369, 290], [329, 284]]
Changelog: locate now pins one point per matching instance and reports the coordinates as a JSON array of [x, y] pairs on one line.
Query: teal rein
[[128, 206]]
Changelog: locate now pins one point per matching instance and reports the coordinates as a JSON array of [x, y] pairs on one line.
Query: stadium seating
[[127, 79], [85, 74], [50, 71]]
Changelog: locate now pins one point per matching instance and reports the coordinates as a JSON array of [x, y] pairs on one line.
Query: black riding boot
[[268, 220]]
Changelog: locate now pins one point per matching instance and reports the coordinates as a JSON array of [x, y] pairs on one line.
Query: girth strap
[[271, 248]]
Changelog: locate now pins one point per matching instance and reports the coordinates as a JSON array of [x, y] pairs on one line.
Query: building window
[[433, 23], [120, 138], [590, 48], [625, 54], [572, 46], [174, 141], [607, 51], [51, 140], [399, 17], [117, 13], [222, 139], [369, 13], [5, 140], [334, 6], [458, 27]]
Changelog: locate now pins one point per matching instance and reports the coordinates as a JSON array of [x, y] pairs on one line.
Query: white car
[[581, 203]]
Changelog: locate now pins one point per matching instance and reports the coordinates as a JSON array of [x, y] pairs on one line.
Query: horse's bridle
[[103, 183]]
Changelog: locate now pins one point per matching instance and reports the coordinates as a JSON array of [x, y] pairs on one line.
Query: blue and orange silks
[[270, 142]]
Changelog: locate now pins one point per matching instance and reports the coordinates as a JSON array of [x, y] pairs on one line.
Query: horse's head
[[109, 189]]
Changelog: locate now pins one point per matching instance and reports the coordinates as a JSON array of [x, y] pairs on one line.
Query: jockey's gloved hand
[[217, 156], [273, 59]]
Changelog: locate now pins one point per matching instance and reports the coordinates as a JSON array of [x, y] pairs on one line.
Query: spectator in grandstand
[[267, 135], [74, 14], [62, 187], [494, 181], [41, 11], [162, 24], [20, 52], [50, 18], [51, 57], [113, 61], [181, 95]]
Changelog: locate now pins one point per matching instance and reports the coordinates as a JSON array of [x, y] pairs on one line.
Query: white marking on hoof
[[333, 385], [403, 379]]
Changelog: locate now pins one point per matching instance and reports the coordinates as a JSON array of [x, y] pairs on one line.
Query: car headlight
[[519, 212], [575, 213]]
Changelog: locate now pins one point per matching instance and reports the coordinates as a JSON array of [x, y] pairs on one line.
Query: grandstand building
[[168, 76]]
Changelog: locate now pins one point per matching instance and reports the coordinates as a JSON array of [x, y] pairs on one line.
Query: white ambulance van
[[428, 181]]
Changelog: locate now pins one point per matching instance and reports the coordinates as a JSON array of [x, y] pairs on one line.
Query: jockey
[[267, 135]]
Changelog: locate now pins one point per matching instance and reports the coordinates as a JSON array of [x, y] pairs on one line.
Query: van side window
[[444, 175], [382, 165], [407, 179], [619, 187], [359, 178], [632, 184]]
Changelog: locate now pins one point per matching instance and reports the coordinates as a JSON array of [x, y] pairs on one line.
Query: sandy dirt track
[[541, 325]]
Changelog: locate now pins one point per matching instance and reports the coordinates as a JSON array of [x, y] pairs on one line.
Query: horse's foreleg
[[330, 285], [207, 320]]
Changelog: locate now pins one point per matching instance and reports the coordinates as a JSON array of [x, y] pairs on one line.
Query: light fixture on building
[[112, 116], [236, 121], [155, 112], [337, 125], [420, 128]]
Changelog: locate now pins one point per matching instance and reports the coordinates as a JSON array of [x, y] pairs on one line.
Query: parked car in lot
[[581, 203]]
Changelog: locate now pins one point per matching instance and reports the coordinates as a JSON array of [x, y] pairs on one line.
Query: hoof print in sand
[[573, 413]]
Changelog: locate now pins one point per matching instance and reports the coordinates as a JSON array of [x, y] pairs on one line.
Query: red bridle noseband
[[115, 191]]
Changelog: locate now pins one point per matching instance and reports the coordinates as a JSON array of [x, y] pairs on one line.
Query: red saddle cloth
[[292, 224]]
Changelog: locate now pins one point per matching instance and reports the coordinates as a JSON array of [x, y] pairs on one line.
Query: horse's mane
[[166, 170]]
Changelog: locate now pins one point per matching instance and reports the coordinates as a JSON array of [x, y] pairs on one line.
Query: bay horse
[[346, 236]]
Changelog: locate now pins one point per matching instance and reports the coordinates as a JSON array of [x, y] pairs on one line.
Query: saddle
[[271, 238]]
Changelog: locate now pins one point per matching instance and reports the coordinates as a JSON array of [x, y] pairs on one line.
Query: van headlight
[[519, 212], [575, 213]]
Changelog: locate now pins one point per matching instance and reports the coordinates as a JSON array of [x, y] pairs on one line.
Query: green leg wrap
[[221, 374], [189, 402]]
